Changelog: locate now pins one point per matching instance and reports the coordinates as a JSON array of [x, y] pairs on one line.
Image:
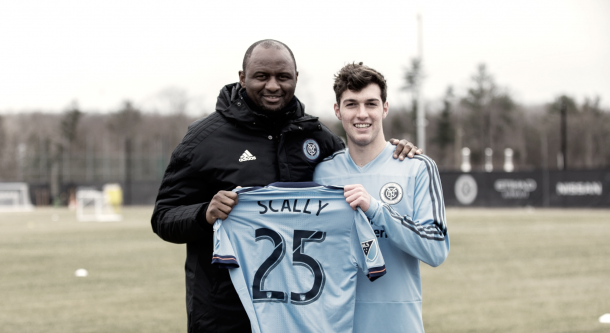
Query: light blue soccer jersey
[[408, 215], [293, 251]]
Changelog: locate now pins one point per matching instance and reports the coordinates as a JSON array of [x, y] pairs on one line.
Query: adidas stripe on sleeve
[[422, 234]]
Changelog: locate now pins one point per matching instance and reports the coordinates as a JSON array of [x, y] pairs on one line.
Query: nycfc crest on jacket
[[311, 149], [293, 251], [407, 214]]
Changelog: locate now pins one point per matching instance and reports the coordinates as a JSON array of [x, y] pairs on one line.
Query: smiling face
[[361, 114], [270, 77]]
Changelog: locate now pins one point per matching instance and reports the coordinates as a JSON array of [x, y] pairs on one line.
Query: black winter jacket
[[212, 157]]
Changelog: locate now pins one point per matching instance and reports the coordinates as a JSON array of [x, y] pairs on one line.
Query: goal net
[[15, 197], [100, 206]]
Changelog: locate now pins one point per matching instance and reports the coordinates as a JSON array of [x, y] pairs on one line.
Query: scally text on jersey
[[292, 206]]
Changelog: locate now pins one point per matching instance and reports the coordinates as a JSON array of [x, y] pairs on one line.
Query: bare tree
[[124, 122], [490, 115], [444, 135], [414, 78]]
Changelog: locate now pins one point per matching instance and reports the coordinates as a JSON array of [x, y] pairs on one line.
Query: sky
[[100, 53]]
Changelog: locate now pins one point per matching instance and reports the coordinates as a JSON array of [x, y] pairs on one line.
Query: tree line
[[487, 116], [76, 146]]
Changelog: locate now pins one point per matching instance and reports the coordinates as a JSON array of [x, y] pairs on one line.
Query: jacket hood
[[231, 105], [228, 93]]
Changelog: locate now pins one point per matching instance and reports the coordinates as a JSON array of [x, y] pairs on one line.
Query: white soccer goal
[[94, 205], [15, 197]]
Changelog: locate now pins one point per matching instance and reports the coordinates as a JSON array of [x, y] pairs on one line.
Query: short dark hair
[[356, 77], [266, 43]]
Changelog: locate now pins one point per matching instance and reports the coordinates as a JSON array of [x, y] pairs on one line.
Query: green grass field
[[508, 271]]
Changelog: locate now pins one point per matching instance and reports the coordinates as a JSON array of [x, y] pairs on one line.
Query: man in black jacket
[[258, 135]]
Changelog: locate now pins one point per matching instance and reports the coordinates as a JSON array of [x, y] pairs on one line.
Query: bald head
[[267, 44], [269, 75]]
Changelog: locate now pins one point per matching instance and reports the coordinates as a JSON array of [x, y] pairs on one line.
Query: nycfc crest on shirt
[[391, 193], [311, 149]]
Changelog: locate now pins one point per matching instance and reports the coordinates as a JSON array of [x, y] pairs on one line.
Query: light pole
[[421, 114], [564, 134]]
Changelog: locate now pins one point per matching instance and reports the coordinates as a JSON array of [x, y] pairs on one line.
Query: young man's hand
[[405, 148], [221, 205], [357, 196]]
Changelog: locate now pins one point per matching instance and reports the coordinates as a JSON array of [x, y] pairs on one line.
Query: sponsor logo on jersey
[[311, 149], [370, 249], [391, 193], [247, 156]]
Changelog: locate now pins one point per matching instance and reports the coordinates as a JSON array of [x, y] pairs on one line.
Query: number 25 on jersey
[[300, 237]]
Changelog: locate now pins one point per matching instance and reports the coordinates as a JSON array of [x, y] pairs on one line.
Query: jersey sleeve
[[223, 254], [366, 248], [423, 235]]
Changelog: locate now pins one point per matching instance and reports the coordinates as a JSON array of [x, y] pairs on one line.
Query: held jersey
[[408, 215], [293, 251]]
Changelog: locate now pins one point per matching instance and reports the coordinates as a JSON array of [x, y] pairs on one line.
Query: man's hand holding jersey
[[357, 196], [221, 205]]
